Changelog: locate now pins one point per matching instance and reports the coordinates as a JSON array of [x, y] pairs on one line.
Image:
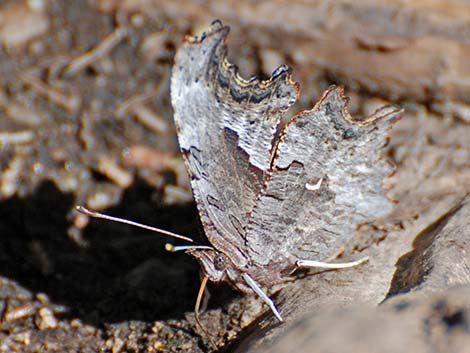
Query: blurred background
[[85, 118]]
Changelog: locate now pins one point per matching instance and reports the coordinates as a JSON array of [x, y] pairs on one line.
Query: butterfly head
[[220, 262], [215, 264]]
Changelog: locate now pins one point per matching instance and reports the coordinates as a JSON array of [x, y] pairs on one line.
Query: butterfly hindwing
[[326, 178]]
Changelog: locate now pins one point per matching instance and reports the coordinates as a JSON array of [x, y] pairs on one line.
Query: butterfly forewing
[[225, 128]]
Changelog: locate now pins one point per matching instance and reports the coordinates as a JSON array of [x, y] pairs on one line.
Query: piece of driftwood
[[417, 323], [431, 265]]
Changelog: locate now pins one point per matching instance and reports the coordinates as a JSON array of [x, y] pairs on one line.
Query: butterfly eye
[[220, 262]]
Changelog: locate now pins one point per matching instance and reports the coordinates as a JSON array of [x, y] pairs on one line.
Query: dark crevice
[[413, 267]]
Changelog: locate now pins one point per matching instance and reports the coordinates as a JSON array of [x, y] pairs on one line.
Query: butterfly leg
[[329, 265], [196, 311], [257, 289]]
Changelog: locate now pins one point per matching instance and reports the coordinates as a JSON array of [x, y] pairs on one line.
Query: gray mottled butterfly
[[271, 203]]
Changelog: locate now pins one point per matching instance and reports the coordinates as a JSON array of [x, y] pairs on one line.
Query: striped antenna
[[95, 214]]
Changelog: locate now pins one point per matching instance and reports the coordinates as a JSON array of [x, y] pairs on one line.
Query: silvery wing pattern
[[267, 201]]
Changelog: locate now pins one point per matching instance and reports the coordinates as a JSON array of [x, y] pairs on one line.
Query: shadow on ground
[[123, 273]]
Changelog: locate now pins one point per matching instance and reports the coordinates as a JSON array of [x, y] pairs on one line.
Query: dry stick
[[17, 137], [98, 52], [150, 119], [69, 102], [138, 99], [20, 312], [114, 172]]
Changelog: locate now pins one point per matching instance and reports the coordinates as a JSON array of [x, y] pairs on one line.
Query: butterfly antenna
[[172, 248], [196, 311], [95, 214], [257, 289]]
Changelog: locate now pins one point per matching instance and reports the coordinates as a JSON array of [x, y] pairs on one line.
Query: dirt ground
[[85, 118]]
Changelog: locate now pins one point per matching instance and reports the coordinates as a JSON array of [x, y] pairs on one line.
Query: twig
[[69, 102], [98, 52]]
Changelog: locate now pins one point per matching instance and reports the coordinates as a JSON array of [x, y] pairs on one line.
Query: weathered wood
[[410, 323], [425, 262]]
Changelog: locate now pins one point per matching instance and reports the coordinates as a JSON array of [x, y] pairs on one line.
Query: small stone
[[47, 319]]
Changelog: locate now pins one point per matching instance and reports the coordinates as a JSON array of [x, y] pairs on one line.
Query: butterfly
[[272, 202]]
